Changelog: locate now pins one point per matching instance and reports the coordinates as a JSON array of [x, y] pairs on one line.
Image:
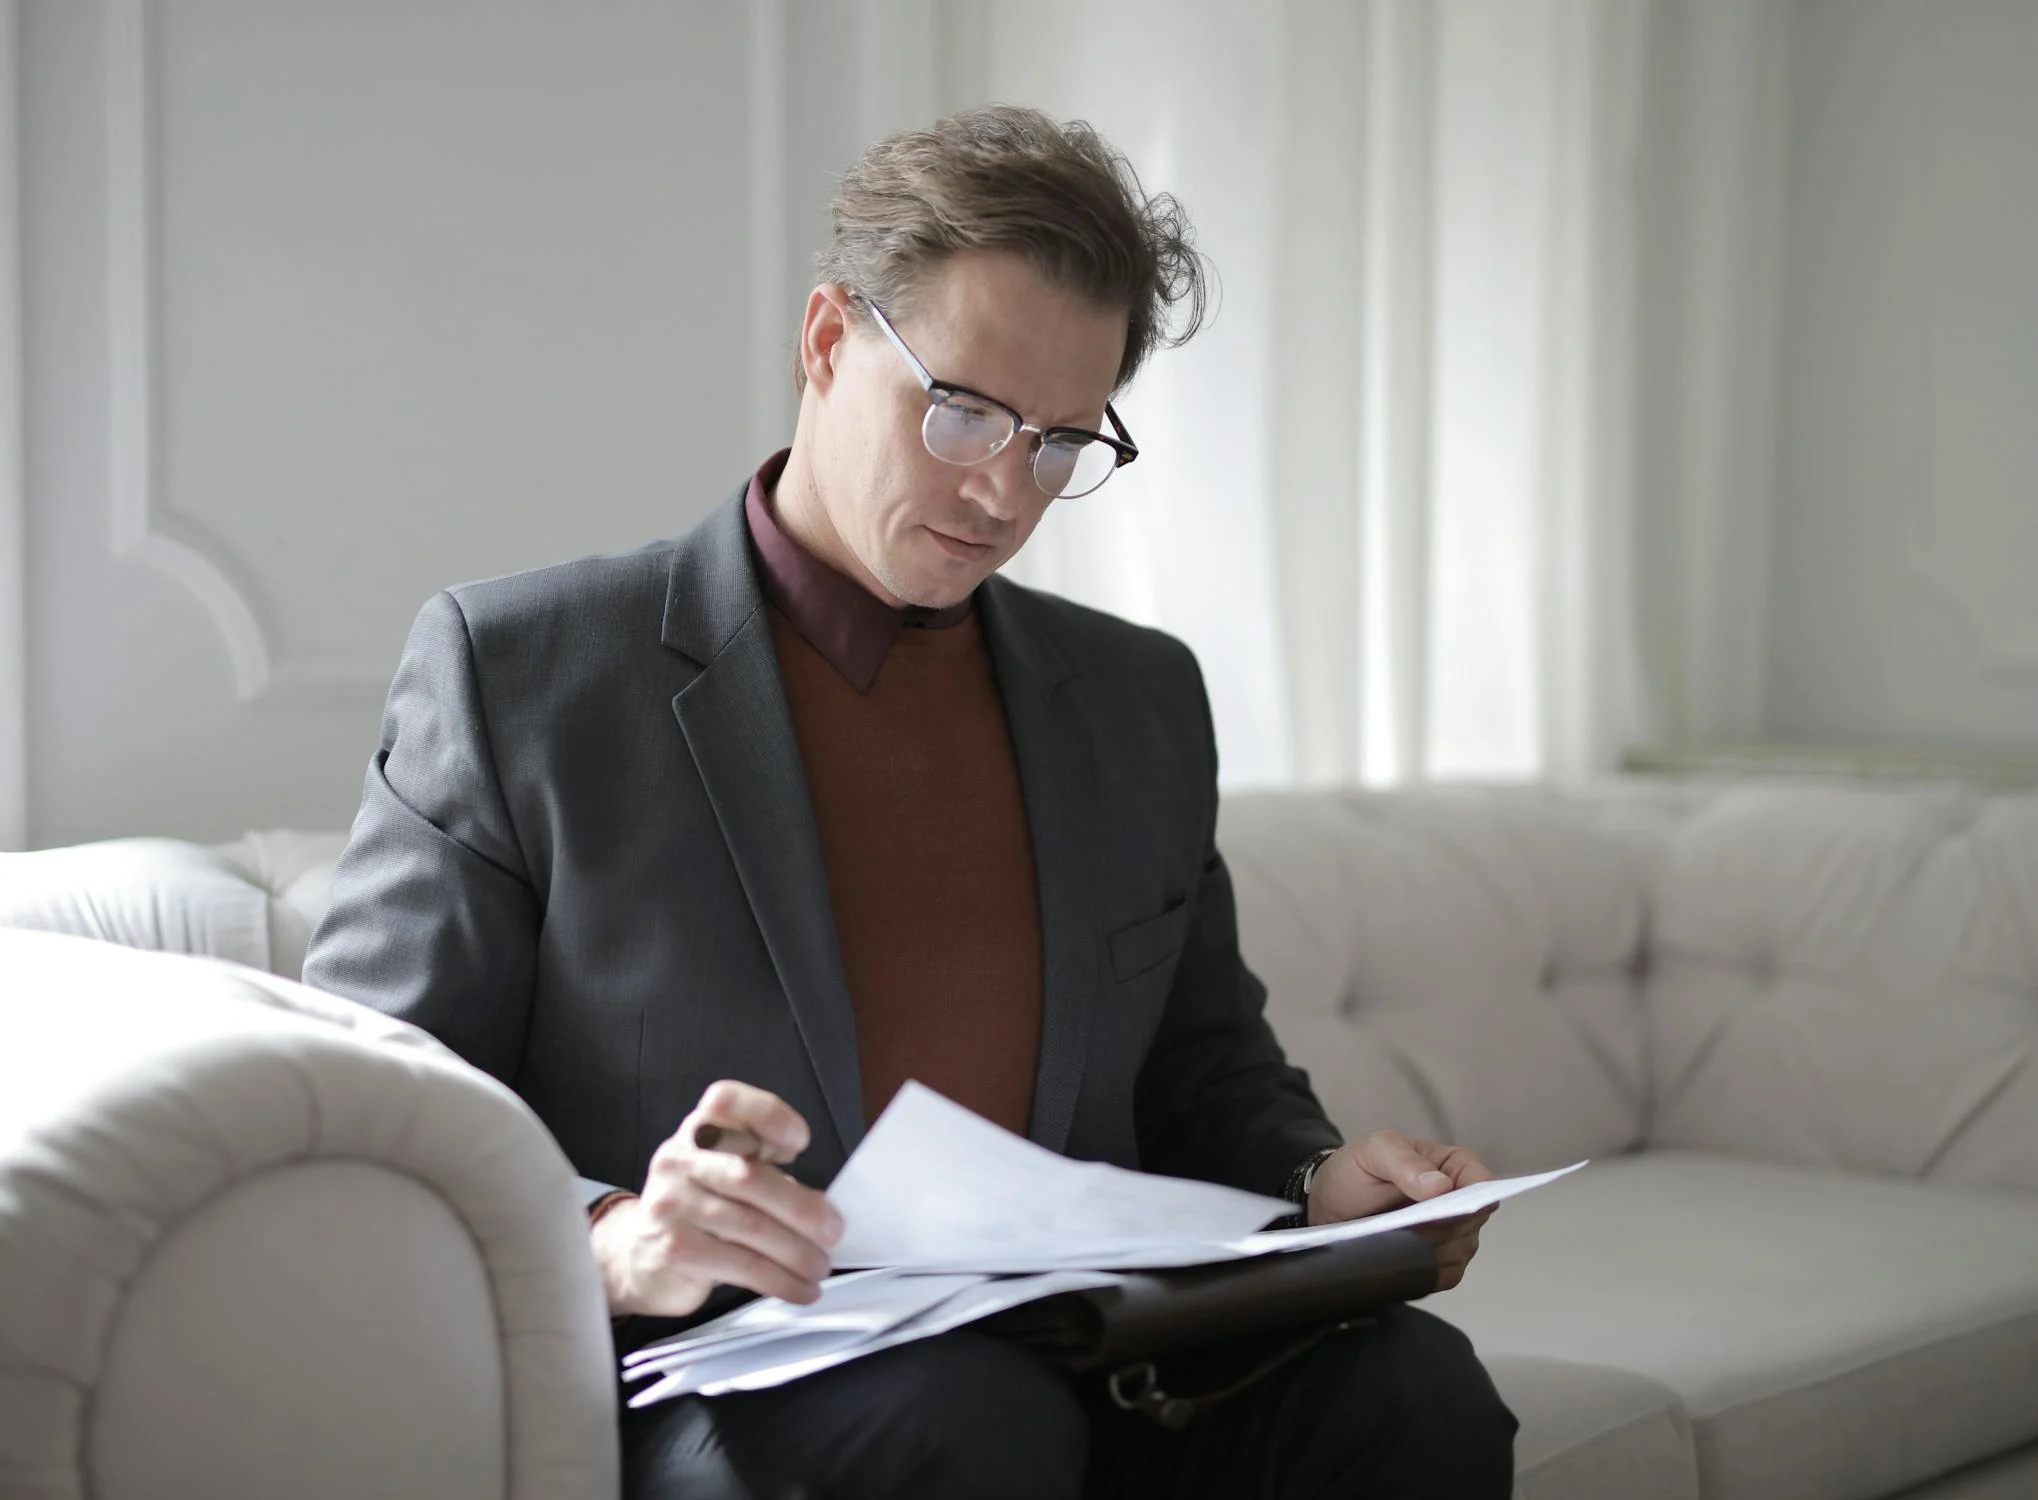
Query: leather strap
[[1137, 1387]]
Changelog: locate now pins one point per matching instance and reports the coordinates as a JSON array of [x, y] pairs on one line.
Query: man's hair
[[1015, 180]]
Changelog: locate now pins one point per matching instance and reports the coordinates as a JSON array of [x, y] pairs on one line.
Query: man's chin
[[944, 585], [945, 597]]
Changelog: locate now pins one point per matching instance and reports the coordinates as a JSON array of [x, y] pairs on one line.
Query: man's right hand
[[707, 1218]]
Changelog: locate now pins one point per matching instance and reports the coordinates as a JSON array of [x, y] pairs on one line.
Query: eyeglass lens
[[961, 430]]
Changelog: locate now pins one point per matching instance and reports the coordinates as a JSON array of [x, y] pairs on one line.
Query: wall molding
[[13, 473], [1397, 421], [2008, 649], [2003, 654], [771, 410], [141, 529]]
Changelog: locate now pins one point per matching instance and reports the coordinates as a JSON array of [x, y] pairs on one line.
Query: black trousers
[[1396, 1410]]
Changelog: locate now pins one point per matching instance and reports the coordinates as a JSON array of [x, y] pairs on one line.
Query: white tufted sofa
[[1796, 1028], [259, 1241]]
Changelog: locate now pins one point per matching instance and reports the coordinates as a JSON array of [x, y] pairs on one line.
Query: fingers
[[662, 1266], [1420, 1168], [750, 1189], [715, 1217], [682, 1263], [1463, 1167], [743, 1106], [1455, 1241], [708, 1217], [1396, 1158], [732, 1243], [1453, 1261]]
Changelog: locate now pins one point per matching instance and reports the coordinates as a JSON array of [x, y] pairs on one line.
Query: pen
[[729, 1138]]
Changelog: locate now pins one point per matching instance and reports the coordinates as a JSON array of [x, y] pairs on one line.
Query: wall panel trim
[[13, 473], [771, 317], [2003, 653], [141, 531]]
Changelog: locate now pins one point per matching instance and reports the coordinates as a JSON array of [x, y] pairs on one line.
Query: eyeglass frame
[[1122, 445]]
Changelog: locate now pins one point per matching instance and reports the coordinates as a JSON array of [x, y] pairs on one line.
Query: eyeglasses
[[967, 427]]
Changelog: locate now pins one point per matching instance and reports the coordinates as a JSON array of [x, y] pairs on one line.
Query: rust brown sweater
[[930, 865]]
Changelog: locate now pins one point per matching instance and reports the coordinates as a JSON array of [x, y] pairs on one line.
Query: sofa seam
[[90, 1394], [1675, 1409], [2028, 1315]]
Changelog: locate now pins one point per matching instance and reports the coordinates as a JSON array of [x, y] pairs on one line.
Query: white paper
[[719, 1369], [866, 1302], [939, 1199], [794, 1355], [1130, 1255], [1456, 1204], [934, 1185]]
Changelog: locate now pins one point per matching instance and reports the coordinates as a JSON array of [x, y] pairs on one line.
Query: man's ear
[[822, 333]]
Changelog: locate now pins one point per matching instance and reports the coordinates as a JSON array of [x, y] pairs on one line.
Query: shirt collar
[[850, 626]]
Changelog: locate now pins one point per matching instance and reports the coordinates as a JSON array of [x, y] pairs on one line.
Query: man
[[749, 828]]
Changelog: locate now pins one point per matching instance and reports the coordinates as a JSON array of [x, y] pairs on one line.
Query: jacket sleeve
[[433, 917], [1216, 1098]]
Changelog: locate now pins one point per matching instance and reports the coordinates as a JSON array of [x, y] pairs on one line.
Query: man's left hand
[[1387, 1170]]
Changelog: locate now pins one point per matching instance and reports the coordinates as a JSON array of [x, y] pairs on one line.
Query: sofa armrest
[[258, 1240]]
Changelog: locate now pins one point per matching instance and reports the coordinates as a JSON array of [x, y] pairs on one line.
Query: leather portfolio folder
[[1152, 1313]]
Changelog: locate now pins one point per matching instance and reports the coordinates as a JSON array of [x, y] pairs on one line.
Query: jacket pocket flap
[[1150, 941]]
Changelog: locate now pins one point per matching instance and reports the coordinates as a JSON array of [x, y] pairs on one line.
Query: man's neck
[[796, 504]]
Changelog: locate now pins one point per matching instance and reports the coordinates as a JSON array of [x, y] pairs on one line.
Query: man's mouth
[[960, 547]]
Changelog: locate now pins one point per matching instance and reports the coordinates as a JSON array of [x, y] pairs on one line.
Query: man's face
[[926, 531]]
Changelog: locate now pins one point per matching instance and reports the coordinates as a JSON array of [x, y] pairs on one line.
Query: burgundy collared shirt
[[840, 618]]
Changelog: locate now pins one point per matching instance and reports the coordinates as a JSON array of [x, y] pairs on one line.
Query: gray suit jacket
[[586, 861]]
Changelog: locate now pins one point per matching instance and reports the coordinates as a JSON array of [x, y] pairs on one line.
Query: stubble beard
[[896, 585]]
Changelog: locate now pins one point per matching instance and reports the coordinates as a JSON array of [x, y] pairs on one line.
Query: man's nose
[[1001, 485]]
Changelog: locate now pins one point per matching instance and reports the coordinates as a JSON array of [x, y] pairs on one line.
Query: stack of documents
[[956, 1219]]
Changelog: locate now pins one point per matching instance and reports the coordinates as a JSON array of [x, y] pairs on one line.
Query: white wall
[[13, 503], [330, 306], [1905, 572], [326, 306]]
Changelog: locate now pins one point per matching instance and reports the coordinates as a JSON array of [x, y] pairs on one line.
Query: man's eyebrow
[[1079, 423]]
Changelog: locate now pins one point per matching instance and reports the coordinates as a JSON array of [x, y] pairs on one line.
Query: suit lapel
[[1058, 778], [737, 723]]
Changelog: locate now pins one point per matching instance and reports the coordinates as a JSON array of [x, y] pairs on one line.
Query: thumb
[[1411, 1171]]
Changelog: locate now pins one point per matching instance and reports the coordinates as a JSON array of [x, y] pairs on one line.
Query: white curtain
[[13, 476], [1191, 91], [1402, 494]]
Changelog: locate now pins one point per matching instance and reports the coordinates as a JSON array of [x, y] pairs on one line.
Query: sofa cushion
[[295, 872], [1462, 964], [1834, 976], [1850, 978], [254, 901], [139, 1092], [1831, 1335], [2012, 1476], [162, 894], [1593, 1433]]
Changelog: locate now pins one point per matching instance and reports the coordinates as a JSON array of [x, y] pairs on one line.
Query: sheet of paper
[[691, 1377], [1451, 1205], [862, 1302], [1161, 1257], [794, 1355], [1131, 1255], [934, 1185], [769, 1342]]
